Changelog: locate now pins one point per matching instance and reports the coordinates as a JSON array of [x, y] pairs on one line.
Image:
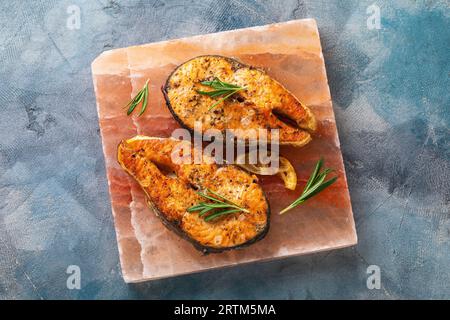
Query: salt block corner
[[113, 62]]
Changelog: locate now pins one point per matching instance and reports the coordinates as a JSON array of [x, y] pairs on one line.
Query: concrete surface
[[391, 95]]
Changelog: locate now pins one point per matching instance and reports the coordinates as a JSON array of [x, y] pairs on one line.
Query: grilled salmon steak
[[263, 103], [173, 187]]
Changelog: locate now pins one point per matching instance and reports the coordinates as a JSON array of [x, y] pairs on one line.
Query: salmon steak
[[172, 188], [262, 102]]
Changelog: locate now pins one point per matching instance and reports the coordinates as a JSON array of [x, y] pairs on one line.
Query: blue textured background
[[391, 96]]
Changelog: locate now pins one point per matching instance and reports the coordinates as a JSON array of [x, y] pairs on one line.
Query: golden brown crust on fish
[[264, 104], [149, 161]]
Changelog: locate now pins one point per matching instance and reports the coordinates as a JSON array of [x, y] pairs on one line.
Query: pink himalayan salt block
[[291, 53]]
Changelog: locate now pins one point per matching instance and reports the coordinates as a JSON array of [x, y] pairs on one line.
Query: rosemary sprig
[[316, 183], [142, 96], [219, 206], [220, 89]]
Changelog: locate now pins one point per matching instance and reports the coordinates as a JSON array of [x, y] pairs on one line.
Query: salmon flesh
[[171, 188], [263, 103]]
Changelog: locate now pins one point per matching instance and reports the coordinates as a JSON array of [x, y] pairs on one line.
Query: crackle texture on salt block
[[291, 53]]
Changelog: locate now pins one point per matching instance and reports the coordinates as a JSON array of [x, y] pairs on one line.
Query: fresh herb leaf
[[221, 213], [141, 96], [316, 183], [219, 206], [220, 89]]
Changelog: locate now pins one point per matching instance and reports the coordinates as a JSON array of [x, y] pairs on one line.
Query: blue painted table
[[390, 88]]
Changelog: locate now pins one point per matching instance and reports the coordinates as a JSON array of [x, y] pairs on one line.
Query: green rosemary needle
[[219, 206], [316, 183], [221, 88], [141, 96]]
